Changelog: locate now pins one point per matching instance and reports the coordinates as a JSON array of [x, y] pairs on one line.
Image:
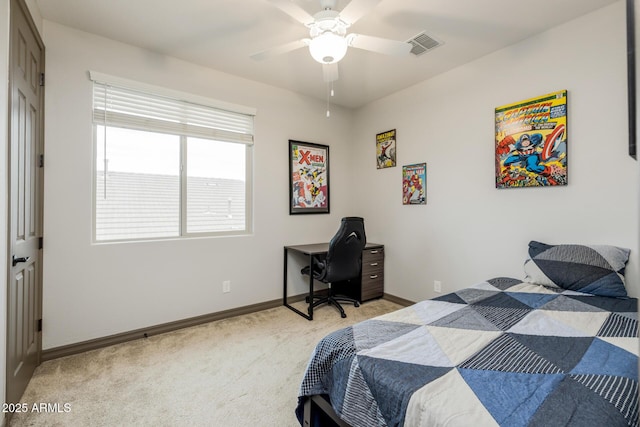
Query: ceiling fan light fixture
[[328, 48]]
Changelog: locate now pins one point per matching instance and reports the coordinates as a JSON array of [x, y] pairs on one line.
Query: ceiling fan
[[328, 39]]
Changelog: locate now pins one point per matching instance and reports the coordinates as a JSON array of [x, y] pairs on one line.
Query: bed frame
[[319, 413]]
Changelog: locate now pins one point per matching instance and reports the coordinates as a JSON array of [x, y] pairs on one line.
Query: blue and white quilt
[[502, 352]]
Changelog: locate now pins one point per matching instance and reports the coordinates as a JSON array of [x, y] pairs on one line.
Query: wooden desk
[[370, 283]]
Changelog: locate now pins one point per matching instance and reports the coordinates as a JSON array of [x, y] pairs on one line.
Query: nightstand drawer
[[372, 278], [372, 255], [372, 287], [371, 268]]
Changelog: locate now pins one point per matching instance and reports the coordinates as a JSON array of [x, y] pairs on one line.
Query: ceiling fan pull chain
[[329, 93], [328, 111]]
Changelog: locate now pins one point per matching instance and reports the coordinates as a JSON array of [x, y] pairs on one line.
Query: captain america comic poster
[[531, 142], [308, 177]]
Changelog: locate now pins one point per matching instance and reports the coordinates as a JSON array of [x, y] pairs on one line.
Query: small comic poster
[[531, 142], [308, 177], [386, 149], [414, 184]]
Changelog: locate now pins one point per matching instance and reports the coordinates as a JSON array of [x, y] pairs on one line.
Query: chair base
[[334, 300]]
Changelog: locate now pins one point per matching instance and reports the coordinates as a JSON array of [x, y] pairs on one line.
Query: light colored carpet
[[240, 371]]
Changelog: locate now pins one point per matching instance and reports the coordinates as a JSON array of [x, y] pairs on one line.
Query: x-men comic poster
[[386, 149], [308, 177], [531, 142], [414, 184]]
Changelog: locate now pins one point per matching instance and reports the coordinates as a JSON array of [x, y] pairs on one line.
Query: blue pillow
[[593, 269]]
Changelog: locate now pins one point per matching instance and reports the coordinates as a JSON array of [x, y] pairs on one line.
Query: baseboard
[[398, 300], [94, 344]]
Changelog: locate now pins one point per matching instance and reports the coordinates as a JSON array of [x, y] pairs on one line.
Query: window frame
[[183, 141], [248, 192]]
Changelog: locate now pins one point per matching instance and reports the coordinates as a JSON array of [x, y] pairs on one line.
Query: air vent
[[423, 43]]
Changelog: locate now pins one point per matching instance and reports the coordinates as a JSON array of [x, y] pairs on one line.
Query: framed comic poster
[[414, 184], [633, 40], [531, 142], [386, 149], [308, 178]]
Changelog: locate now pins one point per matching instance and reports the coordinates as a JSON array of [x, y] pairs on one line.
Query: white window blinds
[[124, 105]]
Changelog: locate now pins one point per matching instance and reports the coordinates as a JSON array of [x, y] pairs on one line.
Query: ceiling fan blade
[[330, 72], [377, 44], [293, 10], [357, 9], [283, 48]]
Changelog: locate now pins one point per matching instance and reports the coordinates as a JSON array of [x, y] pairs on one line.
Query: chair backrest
[[344, 257]]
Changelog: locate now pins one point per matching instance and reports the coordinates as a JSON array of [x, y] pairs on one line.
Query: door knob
[[16, 261]]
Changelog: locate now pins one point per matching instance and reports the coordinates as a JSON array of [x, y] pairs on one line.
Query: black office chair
[[342, 262]]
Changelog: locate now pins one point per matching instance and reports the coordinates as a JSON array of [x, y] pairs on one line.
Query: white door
[[25, 203]]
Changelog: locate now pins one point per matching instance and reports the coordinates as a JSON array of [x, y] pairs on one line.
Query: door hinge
[[41, 161], [40, 242], [39, 325], [41, 79]]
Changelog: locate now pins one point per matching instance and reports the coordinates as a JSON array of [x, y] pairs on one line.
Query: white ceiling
[[221, 34]]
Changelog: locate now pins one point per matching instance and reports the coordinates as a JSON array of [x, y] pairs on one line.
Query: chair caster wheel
[[343, 315], [355, 304]]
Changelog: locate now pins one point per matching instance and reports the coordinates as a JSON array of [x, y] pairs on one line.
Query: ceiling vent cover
[[423, 43]]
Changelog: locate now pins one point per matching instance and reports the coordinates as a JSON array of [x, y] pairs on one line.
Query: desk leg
[[284, 286], [310, 287], [284, 298]]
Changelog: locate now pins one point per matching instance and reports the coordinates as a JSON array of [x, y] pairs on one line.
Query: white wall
[[91, 290], [469, 231]]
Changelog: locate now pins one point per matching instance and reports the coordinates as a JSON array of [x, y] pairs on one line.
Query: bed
[[558, 348]]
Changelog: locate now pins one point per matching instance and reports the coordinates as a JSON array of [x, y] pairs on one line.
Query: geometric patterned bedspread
[[502, 352]]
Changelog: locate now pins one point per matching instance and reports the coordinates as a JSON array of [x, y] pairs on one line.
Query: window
[[168, 167]]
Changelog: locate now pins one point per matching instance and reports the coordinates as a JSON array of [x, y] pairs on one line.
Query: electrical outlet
[[226, 286], [437, 286]]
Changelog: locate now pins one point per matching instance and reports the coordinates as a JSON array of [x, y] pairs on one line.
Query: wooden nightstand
[[372, 282]]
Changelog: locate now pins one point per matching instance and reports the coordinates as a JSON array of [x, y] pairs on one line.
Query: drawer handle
[[374, 252], [373, 276], [373, 264]]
